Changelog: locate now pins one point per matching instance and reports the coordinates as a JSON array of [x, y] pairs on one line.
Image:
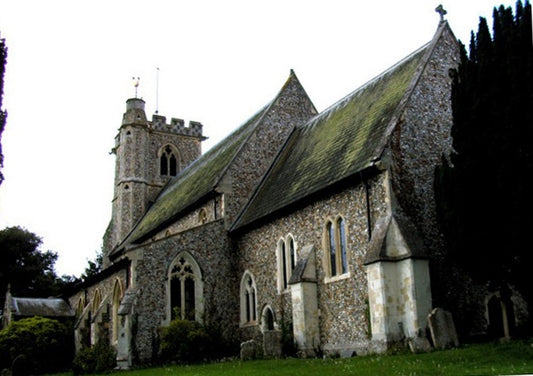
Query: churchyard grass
[[514, 358]]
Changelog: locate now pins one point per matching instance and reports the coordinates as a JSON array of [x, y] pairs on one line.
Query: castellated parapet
[[135, 115], [176, 126]]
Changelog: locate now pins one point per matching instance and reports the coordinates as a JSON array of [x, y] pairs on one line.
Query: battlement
[[159, 123]]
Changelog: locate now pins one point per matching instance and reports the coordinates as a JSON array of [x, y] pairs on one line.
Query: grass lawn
[[515, 358]]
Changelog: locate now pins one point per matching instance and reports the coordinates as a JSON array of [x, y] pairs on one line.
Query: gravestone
[[442, 329], [419, 344], [249, 350], [272, 343]]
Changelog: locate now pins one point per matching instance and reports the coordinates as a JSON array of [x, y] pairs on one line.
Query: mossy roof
[[338, 143], [194, 183], [49, 307]]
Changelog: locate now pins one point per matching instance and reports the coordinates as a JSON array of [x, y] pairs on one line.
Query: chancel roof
[[343, 140], [50, 307]]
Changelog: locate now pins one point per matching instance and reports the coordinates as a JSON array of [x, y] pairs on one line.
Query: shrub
[[36, 345], [96, 359], [184, 341]]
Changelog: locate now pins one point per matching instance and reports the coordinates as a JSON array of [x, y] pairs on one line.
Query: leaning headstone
[[249, 350], [442, 329], [419, 344]]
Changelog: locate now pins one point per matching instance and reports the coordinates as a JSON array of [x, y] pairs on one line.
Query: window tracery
[[185, 283], [248, 300]]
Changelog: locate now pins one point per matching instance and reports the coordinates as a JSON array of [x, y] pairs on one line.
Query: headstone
[[442, 329], [249, 350], [272, 343], [419, 345]]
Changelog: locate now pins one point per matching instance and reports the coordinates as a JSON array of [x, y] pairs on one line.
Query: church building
[[324, 223]]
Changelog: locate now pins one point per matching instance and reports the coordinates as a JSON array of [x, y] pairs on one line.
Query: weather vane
[[136, 84], [441, 11]]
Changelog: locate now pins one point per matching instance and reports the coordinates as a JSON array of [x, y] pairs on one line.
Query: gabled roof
[[343, 140], [200, 180], [194, 183], [51, 307]]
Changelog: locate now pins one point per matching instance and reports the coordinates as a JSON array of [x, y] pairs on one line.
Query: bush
[[96, 359], [36, 345], [184, 341]]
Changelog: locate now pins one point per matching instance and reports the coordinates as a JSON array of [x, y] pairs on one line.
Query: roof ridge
[[348, 96], [421, 67]]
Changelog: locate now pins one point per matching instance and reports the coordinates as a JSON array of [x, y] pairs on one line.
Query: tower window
[[168, 162]]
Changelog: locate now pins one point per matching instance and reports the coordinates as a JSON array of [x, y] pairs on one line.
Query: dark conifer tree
[[3, 114], [484, 198]]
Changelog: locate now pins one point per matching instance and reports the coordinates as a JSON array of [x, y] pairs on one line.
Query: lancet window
[[335, 247], [286, 256]]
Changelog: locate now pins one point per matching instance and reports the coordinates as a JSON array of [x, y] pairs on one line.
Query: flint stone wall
[[343, 310], [211, 249]]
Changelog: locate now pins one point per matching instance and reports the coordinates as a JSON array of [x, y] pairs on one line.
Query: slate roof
[[343, 140], [51, 307]]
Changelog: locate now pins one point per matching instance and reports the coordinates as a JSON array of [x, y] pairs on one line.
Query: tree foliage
[[94, 267], [485, 204], [28, 270], [3, 113]]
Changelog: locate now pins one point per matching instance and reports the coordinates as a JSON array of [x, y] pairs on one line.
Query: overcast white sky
[[70, 66]]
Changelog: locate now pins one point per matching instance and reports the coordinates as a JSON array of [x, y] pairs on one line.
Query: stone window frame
[[267, 314], [118, 294], [248, 297], [202, 216], [97, 300], [337, 227], [165, 153], [198, 286], [80, 306], [285, 263]]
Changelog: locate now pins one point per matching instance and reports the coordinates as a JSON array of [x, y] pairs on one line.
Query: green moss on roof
[[194, 183], [338, 143]]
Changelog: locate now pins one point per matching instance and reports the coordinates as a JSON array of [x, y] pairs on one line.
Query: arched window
[[118, 294], [168, 162], [97, 300], [283, 257], [292, 253], [286, 254], [267, 319], [185, 288], [335, 247], [332, 249], [248, 300], [202, 216], [80, 307], [342, 244]]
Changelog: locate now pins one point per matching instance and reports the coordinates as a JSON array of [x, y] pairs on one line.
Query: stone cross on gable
[[441, 11]]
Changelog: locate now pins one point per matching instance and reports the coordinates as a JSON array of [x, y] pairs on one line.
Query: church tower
[[148, 154]]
